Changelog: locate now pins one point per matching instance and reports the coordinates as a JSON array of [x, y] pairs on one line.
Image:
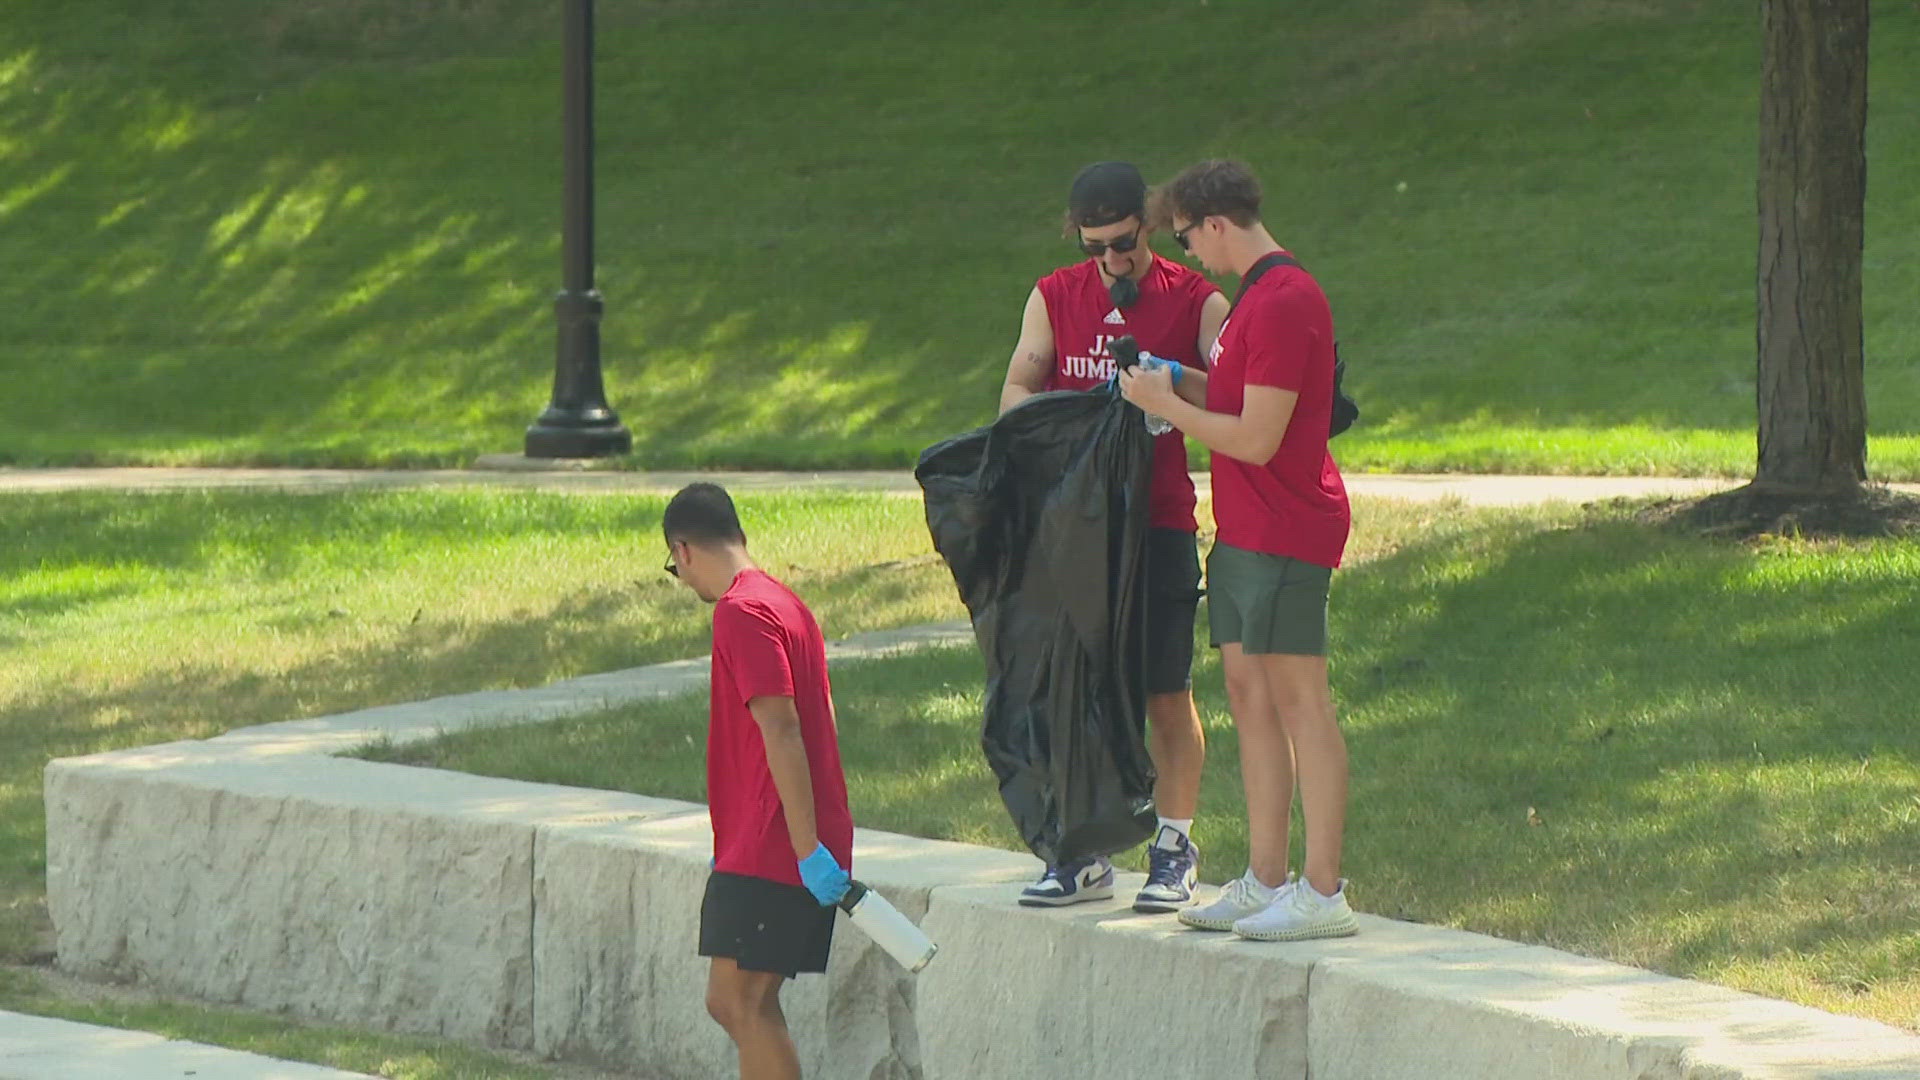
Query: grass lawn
[[134, 619], [274, 231], [1565, 728]]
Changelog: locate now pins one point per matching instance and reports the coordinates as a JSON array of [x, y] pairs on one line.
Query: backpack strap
[[1345, 411], [1258, 270]]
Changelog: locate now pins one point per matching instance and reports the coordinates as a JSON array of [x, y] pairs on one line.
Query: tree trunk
[[1812, 195]]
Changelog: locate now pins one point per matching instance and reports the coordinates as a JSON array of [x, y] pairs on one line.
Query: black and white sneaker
[[1173, 872], [1071, 883]]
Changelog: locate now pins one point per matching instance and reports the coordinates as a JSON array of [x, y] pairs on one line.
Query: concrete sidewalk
[[38, 1048], [1475, 490]]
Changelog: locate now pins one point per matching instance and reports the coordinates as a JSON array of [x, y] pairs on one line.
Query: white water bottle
[[892, 931], [1156, 425]]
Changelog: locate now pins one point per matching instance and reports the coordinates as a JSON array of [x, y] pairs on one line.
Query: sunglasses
[[672, 570], [1121, 244], [673, 565], [1180, 235]]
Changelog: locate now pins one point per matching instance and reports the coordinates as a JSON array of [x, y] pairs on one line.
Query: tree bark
[[1812, 196]]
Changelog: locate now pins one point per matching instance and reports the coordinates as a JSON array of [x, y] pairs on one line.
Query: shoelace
[[1162, 867], [1237, 892], [1240, 894]]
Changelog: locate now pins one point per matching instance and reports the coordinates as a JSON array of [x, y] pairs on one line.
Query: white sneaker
[[1239, 898], [1301, 913]]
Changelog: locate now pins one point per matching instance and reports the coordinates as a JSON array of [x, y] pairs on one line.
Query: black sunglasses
[[1180, 235], [1121, 244], [672, 569]]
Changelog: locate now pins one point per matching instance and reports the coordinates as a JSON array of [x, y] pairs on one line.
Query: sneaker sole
[[1188, 918], [1097, 892], [1347, 928]]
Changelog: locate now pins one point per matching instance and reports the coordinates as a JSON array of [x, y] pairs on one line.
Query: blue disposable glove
[[1148, 362], [823, 876]]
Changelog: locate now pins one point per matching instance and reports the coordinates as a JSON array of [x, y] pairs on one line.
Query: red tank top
[[1165, 321]]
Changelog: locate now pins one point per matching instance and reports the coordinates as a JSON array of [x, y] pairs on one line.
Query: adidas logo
[[1114, 316]]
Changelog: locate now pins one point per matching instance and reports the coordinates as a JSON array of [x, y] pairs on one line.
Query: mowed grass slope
[[278, 231]]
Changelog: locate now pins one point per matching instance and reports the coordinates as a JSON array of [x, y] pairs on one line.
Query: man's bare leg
[[1179, 750], [1266, 764], [1297, 687], [747, 1005]]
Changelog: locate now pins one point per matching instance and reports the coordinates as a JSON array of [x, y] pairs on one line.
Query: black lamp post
[[578, 423]]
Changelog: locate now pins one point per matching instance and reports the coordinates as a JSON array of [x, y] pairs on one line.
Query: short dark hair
[[1216, 187], [702, 513]]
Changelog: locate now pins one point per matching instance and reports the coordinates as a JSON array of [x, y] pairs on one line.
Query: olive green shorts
[[1266, 603]]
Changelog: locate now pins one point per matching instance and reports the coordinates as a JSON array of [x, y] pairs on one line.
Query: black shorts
[[1173, 596], [764, 925]]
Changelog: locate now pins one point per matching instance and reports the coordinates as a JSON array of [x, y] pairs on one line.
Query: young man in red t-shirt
[[1071, 317], [1264, 408], [782, 834]]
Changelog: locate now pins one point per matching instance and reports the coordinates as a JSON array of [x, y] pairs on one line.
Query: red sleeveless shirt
[[1165, 321]]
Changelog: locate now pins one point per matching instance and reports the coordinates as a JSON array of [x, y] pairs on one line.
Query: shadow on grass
[[294, 233], [290, 235], [1576, 735], [53, 602]]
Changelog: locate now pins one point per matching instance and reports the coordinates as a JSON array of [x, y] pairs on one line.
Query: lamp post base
[[576, 436]]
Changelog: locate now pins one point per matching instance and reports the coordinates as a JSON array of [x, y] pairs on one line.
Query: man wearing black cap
[[1071, 317]]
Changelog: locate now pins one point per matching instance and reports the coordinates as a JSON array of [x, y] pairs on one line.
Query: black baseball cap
[[1106, 192]]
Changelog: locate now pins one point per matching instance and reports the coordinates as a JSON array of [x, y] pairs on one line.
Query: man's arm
[[1213, 314], [779, 724], [1253, 436], [1032, 357]]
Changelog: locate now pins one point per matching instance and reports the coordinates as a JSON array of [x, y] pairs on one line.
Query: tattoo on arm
[[1029, 371]]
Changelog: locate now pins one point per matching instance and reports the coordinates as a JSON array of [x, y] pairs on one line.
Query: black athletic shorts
[[1173, 596], [764, 925]]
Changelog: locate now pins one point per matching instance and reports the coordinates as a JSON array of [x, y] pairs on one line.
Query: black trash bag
[[1042, 518]]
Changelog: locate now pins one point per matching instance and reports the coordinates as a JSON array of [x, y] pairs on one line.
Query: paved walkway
[[1472, 489], [38, 1048]]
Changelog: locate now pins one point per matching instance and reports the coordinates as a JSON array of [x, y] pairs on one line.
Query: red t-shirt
[[1165, 321], [1281, 335], [767, 644]]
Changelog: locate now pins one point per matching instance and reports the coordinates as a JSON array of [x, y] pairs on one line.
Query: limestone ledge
[[258, 869]]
